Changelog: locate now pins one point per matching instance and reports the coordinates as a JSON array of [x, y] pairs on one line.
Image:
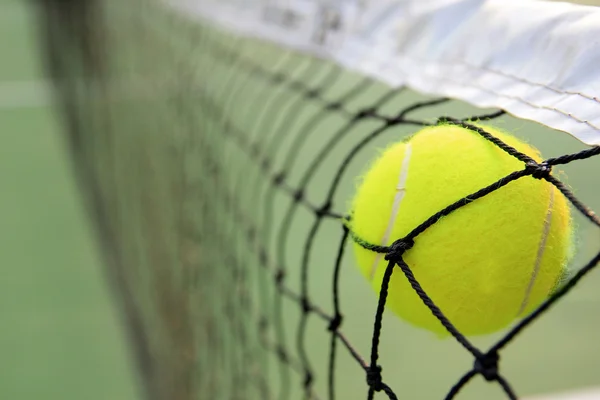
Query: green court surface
[[60, 336]]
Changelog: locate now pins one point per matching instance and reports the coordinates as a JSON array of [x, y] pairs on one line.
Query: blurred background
[[60, 336]]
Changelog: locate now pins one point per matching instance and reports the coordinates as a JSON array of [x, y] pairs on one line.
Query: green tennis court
[[62, 335]]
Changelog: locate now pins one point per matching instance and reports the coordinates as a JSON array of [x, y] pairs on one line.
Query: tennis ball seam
[[540, 251], [390, 216], [395, 211]]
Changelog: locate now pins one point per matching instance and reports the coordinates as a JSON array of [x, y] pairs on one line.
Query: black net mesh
[[218, 171]]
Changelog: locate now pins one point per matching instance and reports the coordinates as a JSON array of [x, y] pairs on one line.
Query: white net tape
[[537, 60]]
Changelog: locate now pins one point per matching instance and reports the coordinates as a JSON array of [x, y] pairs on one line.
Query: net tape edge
[[533, 59]]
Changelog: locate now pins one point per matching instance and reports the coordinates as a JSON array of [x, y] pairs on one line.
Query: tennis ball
[[486, 263]]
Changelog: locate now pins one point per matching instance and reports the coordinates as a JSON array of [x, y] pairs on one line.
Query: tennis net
[[217, 144]]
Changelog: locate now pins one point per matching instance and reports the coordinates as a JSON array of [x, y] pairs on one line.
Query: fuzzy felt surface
[[486, 263]]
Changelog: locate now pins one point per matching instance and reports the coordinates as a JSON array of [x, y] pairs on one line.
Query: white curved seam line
[[400, 192], [540, 252]]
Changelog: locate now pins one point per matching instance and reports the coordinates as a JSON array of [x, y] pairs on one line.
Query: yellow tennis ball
[[486, 263]]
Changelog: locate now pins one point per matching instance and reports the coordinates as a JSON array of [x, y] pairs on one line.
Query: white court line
[[585, 394], [24, 94]]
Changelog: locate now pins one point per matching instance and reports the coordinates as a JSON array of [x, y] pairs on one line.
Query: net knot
[[277, 78], [305, 305], [538, 171], [367, 112], [281, 353], [323, 210], [298, 195], [487, 366], [265, 164], [374, 378], [279, 277], [263, 323], [262, 257], [334, 106], [398, 248], [447, 120], [313, 93], [335, 323], [278, 179], [251, 234], [308, 378]]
